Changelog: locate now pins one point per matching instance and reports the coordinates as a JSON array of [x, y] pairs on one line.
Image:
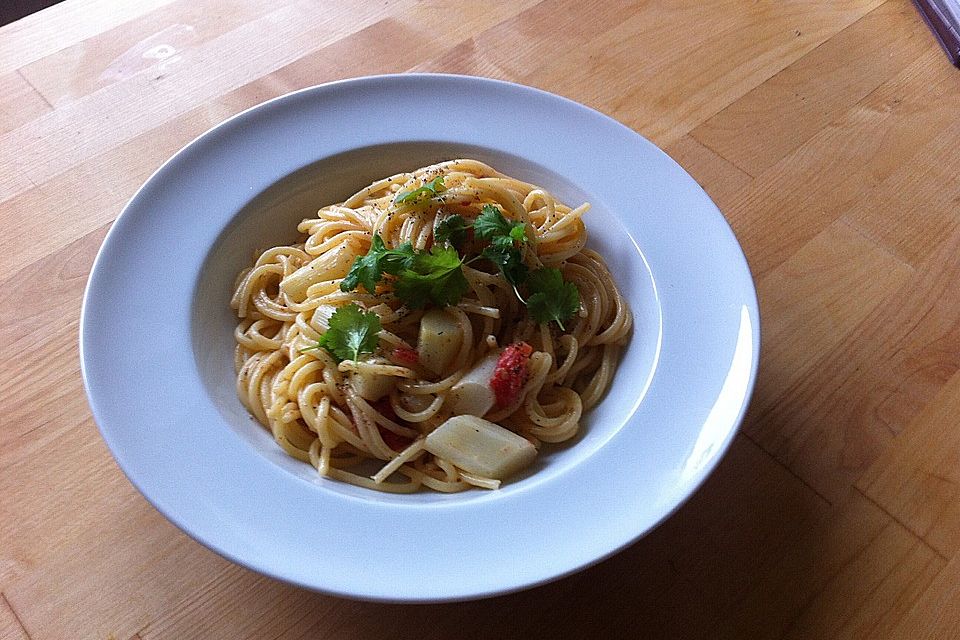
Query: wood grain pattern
[[815, 299], [937, 615], [720, 177], [827, 133], [155, 43], [920, 486], [19, 102], [784, 112], [10, 627], [822, 587], [47, 32], [663, 96], [837, 169], [833, 423], [77, 129]]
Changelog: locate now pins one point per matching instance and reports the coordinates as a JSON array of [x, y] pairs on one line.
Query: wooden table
[[827, 132]]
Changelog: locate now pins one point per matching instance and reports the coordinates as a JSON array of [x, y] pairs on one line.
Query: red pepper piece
[[511, 373], [405, 356]]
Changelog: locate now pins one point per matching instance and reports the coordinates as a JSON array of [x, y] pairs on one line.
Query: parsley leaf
[[352, 331], [506, 256], [427, 191], [452, 230], [432, 277], [367, 270], [502, 233], [491, 223], [396, 260], [551, 297]]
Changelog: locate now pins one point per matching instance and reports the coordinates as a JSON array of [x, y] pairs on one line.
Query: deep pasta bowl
[[157, 341]]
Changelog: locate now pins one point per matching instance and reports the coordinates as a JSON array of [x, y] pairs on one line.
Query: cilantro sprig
[[434, 277], [421, 277], [505, 255], [503, 234], [551, 297], [491, 224], [430, 189], [452, 230], [352, 331], [369, 269]]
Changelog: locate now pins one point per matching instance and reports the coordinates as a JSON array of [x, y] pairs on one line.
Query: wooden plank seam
[[16, 616]]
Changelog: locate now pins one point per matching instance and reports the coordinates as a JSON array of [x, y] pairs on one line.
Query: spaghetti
[[460, 273]]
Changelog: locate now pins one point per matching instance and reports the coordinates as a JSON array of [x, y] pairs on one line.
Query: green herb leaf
[[518, 232], [502, 233], [396, 260], [551, 298], [435, 277], [506, 256], [352, 331], [491, 223], [369, 269], [452, 230], [427, 191]]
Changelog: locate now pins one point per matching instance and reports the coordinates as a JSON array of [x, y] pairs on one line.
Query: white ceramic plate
[[156, 341]]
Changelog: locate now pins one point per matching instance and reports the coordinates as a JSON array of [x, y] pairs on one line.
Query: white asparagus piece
[[439, 341], [369, 385], [472, 394], [480, 447], [333, 264]]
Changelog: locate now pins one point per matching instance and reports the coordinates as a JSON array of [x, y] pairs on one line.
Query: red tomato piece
[[405, 356], [511, 373]]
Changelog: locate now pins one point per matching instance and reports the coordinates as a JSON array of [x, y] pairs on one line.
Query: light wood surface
[[828, 133]]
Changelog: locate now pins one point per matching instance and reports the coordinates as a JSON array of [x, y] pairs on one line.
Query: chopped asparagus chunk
[[481, 447]]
